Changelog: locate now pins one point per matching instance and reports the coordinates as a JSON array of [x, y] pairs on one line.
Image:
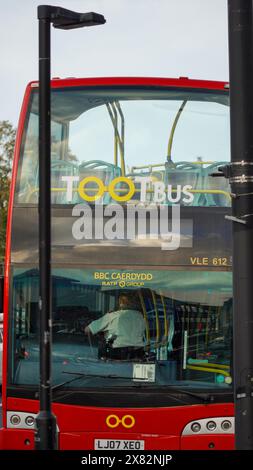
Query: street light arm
[[62, 18]]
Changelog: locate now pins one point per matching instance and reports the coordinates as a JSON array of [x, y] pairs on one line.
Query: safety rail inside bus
[[141, 267]]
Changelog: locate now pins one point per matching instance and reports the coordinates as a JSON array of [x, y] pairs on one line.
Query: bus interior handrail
[[137, 190]]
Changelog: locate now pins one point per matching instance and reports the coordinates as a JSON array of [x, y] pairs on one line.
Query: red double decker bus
[[136, 215]]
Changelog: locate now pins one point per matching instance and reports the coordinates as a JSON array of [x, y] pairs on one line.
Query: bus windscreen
[[156, 327]]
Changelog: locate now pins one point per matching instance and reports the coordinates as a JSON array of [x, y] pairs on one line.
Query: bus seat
[[185, 173], [103, 170], [157, 175], [216, 184], [61, 168], [131, 176]]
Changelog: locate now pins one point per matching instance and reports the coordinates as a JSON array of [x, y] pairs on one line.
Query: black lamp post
[[240, 174], [46, 428]]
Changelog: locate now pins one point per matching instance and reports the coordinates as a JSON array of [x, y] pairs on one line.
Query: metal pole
[[240, 174], [46, 432]]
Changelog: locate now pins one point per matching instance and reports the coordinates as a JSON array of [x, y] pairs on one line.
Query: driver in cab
[[123, 330]]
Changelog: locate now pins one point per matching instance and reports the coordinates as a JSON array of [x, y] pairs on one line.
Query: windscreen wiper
[[79, 375], [109, 376], [205, 398]]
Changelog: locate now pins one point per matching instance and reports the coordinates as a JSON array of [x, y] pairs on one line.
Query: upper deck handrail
[[123, 190]]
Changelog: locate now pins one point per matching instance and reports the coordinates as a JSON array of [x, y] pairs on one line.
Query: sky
[[162, 38]]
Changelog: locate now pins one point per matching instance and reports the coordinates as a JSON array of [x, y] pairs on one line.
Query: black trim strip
[[127, 398]]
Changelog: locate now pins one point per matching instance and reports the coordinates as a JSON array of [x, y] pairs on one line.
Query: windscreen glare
[[167, 138]]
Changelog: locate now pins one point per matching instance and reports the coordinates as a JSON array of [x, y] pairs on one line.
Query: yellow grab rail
[[157, 318], [122, 153], [156, 165], [137, 190], [145, 318], [209, 369], [172, 132], [210, 364], [118, 140], [165, 318], [211, 191], [218, 366]]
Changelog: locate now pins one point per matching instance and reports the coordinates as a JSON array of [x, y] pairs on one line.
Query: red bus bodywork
[[161, 428]]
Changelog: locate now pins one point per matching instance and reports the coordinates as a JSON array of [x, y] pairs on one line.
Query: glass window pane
[[172, 137], [170, 327]]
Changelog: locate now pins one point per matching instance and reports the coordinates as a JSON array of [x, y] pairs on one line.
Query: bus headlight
[[29, 421], [195, 427], [211, 425], [226, 425], [15, 420]]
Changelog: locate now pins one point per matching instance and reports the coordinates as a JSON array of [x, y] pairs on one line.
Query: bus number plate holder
[[118, 444]]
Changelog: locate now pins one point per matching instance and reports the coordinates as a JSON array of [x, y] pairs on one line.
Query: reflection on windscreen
[[171, 137], [155, 327]]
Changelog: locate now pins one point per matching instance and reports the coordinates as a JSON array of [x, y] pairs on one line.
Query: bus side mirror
[[1, 294]]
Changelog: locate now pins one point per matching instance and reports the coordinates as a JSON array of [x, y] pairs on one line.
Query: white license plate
[[120, 444]]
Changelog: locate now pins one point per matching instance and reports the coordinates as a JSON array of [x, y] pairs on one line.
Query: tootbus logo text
[[160, 191]]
